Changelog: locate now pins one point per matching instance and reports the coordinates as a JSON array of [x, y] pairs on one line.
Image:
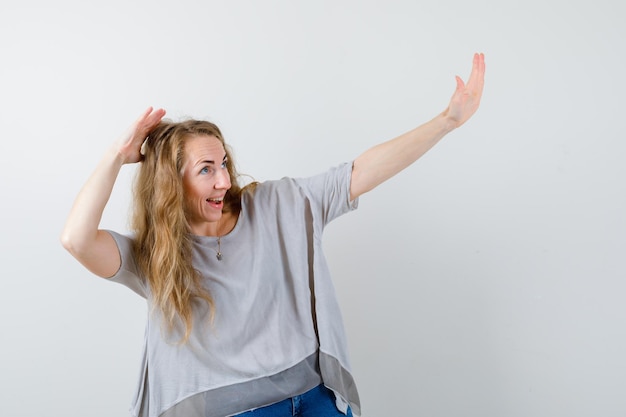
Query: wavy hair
[[163, 246]]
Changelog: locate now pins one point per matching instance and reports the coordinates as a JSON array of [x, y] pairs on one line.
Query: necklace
[[224, 228], [218, 255]]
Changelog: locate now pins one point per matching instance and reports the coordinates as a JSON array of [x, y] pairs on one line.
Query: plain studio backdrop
[[488, 279]]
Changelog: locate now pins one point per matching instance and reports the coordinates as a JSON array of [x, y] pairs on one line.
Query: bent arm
[[92, 247], [95, 248], [385, 160]]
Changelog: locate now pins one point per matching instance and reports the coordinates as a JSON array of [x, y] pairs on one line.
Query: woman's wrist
[[447, 123]]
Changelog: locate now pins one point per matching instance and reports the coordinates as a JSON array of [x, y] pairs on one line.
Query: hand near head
[[466, 97], [129, 145]]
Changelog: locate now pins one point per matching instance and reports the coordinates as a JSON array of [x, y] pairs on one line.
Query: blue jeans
[[318, 402]]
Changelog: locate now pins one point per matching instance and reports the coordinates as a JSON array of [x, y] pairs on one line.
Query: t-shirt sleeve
[[329, 192], [128, 274]]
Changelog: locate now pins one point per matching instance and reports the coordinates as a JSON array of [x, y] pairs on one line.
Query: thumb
[[460, 85]]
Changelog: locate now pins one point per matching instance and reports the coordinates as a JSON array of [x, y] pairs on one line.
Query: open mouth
[[216, 202]]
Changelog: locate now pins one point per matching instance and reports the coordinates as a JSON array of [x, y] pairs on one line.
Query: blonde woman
[[243, 316]]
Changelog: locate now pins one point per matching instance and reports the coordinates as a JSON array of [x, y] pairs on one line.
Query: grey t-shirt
[[278, 330]]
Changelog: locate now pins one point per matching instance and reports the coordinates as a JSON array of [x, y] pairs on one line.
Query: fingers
[[146, 112], [156, 115], [148, 121], [477, 76], [150, 116], [144, 116]]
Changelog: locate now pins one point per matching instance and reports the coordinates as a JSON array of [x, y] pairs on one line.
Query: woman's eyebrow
[[210, 161], [205, 161]]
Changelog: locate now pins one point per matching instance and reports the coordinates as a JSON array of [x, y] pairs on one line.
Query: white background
[[486, 280]]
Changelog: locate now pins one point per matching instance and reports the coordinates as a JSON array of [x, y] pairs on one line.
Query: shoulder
[[325, 190], [339, 174]]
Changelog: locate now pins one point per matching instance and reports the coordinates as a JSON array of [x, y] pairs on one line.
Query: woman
[[243, 316]]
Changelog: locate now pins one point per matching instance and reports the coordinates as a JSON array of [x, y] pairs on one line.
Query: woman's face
[[205, 181]]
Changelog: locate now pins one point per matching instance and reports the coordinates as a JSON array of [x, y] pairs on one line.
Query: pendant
[[219, 248]]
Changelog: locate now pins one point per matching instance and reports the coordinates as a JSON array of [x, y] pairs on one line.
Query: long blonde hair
[[163, 246]]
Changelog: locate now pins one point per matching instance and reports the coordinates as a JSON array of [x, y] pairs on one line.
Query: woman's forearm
[[385, 160]]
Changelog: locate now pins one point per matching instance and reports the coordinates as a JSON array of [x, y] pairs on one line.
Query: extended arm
[[385, 160], [81, 236]]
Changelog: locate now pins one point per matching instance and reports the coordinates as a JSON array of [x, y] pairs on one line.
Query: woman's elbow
[[68, 242]]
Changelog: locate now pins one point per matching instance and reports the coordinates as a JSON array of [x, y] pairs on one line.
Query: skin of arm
[[81, 236], [385, 160]]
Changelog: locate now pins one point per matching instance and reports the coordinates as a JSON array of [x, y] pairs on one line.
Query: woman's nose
[[223, 179]]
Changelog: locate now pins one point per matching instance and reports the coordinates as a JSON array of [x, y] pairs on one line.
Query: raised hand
[[129, 145], [466, 97], [386, 159]]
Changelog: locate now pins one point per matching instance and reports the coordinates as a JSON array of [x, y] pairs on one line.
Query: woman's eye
[[204, 170]]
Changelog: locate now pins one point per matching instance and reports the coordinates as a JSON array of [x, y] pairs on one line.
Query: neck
[[222, 227], [225, 225]]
